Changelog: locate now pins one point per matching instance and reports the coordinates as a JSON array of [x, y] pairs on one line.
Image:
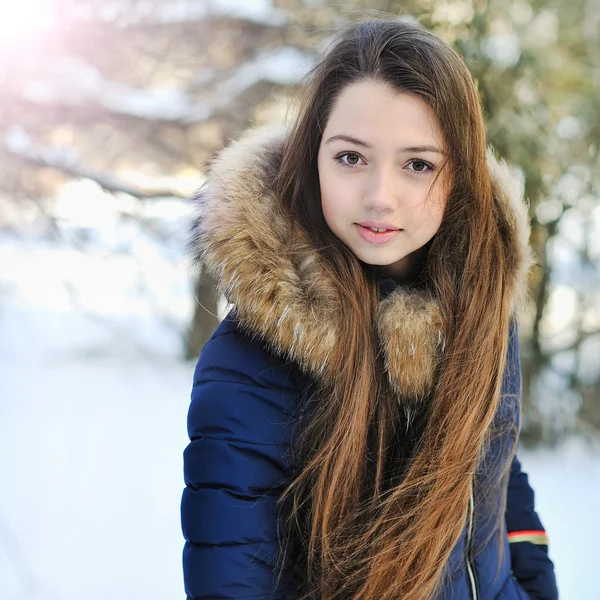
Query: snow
[[93, 426], [92, 420], [91, 454], [567, 485]]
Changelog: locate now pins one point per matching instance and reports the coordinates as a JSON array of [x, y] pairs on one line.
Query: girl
[[354, 419]]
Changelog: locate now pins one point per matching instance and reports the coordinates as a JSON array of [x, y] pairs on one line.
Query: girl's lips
[[376, 237]]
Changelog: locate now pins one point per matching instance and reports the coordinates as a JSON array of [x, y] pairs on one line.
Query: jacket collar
[[240, 235]]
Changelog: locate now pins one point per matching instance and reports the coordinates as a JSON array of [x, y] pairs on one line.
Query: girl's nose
[[380, 193]]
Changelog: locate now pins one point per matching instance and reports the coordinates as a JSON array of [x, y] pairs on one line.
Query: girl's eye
[[351, 161], [420, 166]]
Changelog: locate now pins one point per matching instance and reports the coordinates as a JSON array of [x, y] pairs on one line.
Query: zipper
[[470, 564]]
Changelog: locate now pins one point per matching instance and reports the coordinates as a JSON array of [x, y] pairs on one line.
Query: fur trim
[[282, 291], [508, 188]]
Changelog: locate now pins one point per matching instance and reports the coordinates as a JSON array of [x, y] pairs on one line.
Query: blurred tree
[[136, 91]]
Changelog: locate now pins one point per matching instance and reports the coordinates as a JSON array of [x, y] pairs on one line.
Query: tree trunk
[[205, 318]]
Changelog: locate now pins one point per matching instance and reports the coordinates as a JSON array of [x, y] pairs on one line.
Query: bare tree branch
[[75, 86], [69, 163]]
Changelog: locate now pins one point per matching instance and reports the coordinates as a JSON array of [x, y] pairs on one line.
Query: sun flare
[[24, 19]]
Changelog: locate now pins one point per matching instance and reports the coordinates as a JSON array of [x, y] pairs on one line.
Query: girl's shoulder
[[233, 354], [243, 391]]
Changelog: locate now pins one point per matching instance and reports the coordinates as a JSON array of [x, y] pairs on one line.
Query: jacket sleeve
[[528, 541], [527, 538], [235, 468]]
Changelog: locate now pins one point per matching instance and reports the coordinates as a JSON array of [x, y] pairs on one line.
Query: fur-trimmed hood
[[286, 297]]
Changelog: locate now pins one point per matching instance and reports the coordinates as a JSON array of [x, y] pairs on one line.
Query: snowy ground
[[92, 430]]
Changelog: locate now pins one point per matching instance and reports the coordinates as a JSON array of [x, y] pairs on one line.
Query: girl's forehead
[[374, 114]]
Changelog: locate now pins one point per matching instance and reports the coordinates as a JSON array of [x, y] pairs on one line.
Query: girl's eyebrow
[[353, 140]]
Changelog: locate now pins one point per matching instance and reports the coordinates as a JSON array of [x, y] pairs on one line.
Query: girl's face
[[378, 158]]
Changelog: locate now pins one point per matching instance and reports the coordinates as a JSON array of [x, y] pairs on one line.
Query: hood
[[286, 297]]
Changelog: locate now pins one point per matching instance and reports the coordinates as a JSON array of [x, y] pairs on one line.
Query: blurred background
[[110, 112]]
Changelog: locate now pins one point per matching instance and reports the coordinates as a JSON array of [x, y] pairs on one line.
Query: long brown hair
[[364, 532]]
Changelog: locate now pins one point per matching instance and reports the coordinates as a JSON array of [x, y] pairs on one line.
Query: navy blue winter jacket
[[250, 380], [243, 398]]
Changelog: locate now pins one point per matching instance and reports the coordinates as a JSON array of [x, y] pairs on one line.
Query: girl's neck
[[407, 273]]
